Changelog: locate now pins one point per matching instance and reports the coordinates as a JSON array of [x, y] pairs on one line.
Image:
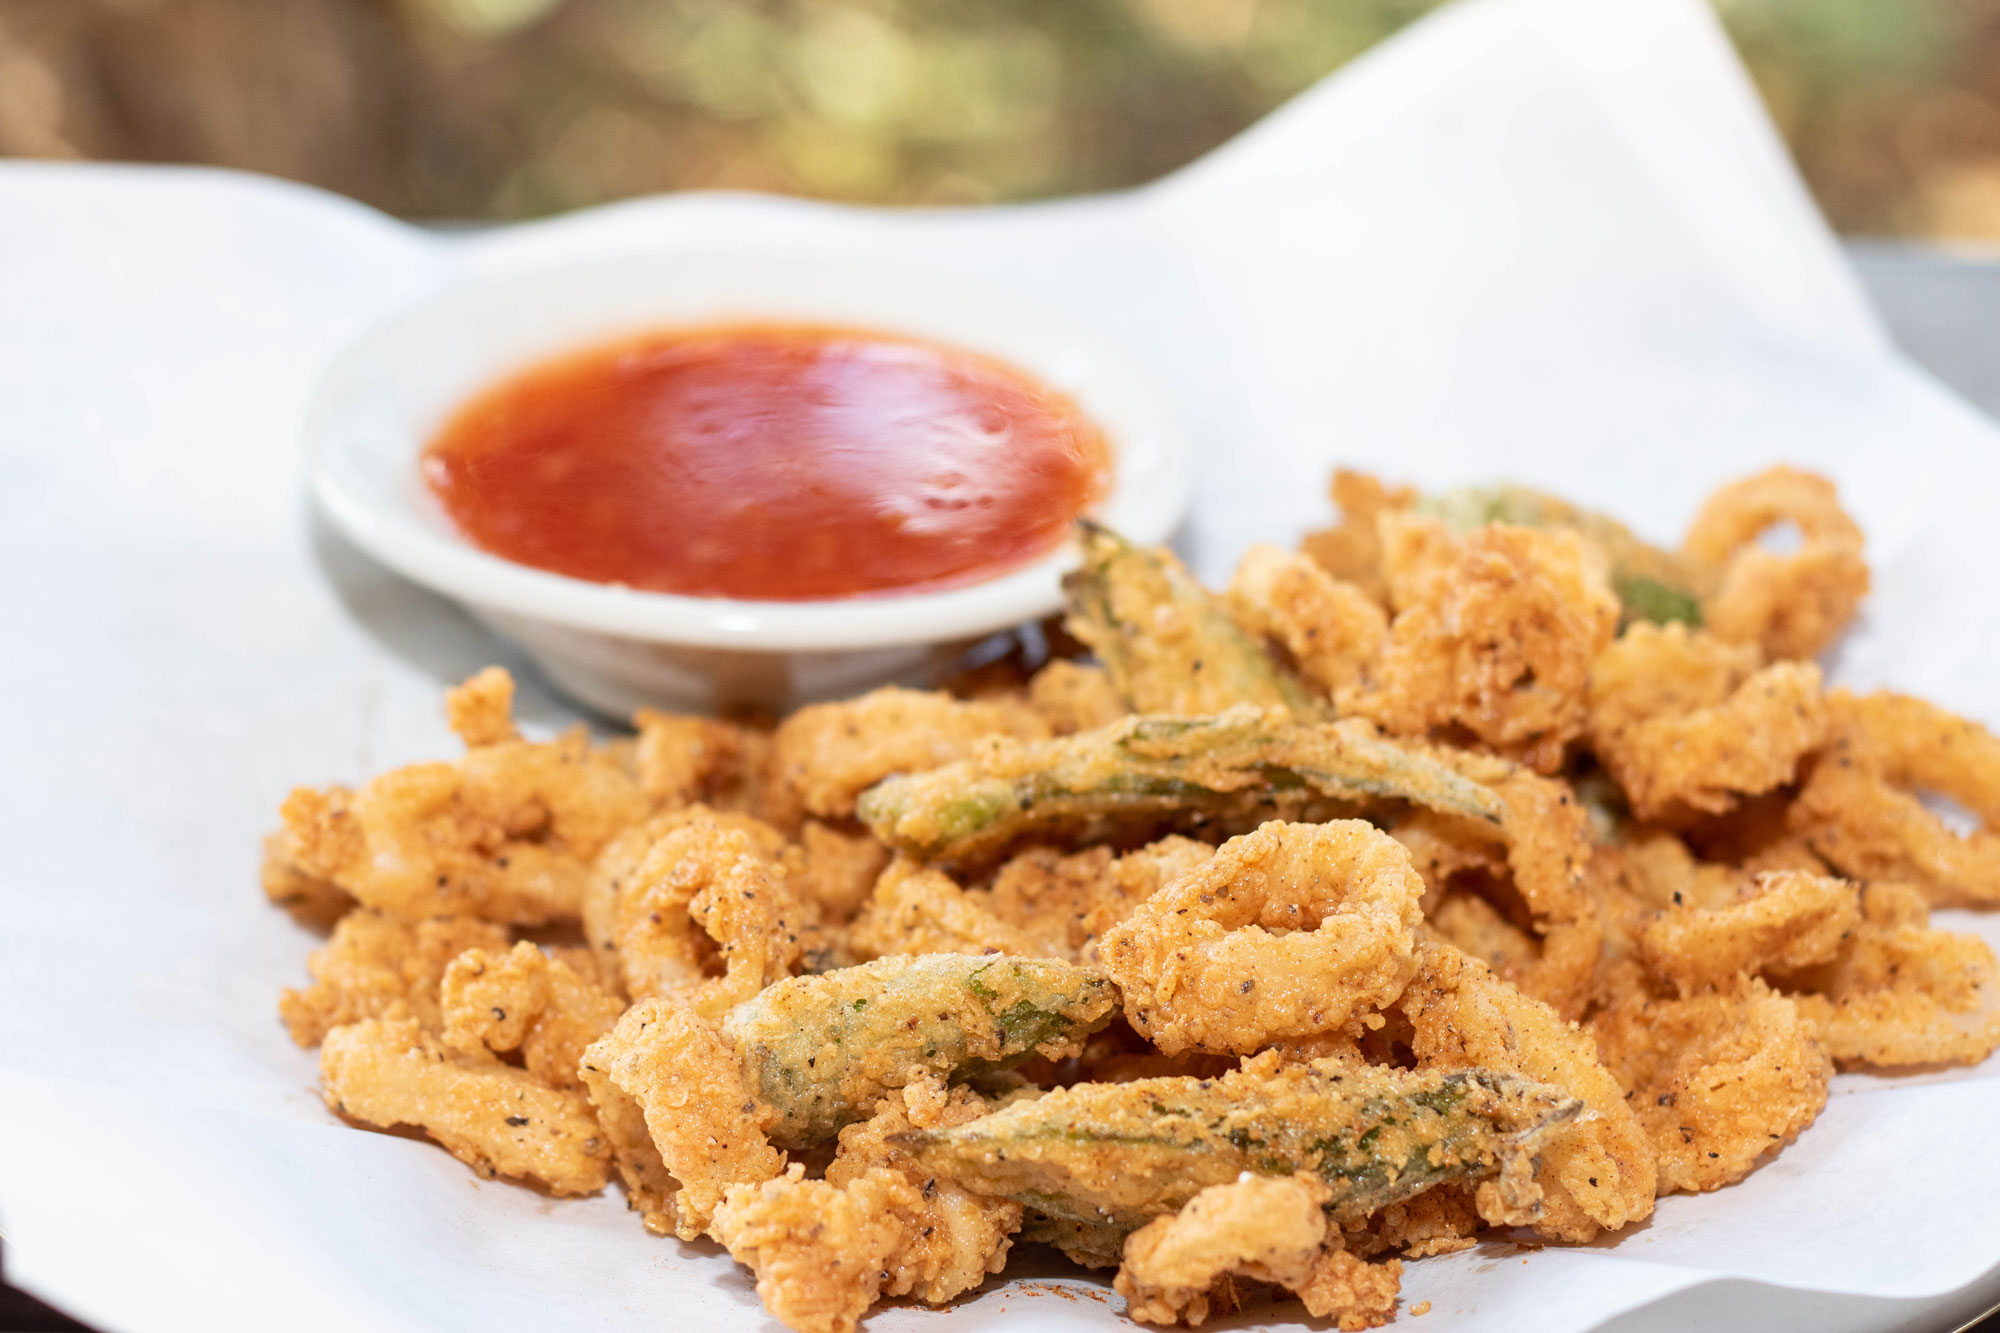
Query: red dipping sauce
[[772, 462]]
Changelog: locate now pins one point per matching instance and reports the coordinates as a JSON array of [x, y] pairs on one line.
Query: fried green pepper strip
[[1167, 642], [1119, 1154], [821, 1050], [1651, 584], [1236, 768]]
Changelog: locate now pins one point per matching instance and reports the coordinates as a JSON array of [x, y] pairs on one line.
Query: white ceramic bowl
[[383, 398]]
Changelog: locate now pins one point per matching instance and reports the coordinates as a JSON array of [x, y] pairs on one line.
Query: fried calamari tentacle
[[621, 859], [1718, 1079], [834, 871], [1125, 1153], [480, 709], [1236, 768], [1652, 585], [507, 833], [1860, 809], [916, 910], [953, 1238], [689, 1086], [1688, 720], [378, 967], [496, 1119], [825, 755], [1065, 903], [821, 1252], [1597, 1172], [1169, 644], [1493, 637], [523, 1000], [1267, 1229], [685, 760], [1790, 605], [1900, 993], [1201, 968], [821, 1050], [315, 903], [1333, 630], [1785, 920], [1072, 697], [1352, 551], [704, 897]]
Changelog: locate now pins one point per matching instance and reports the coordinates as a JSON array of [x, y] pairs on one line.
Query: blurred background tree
[[470, 109]]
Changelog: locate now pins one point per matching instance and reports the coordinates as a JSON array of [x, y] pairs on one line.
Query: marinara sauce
[[773, 462]]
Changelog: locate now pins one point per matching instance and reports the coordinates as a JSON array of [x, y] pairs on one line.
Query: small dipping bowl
[[384, 398]]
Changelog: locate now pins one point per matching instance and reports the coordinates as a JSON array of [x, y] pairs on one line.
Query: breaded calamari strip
[[1792, 604], [1073, 697], [821, 1252], [496, 1119], [689, 1086], [918, 910], [1785, 920], [1598, 1171], [1065, 903], [1201, 968], [1333, 630], [684, 760], [1352, 550]]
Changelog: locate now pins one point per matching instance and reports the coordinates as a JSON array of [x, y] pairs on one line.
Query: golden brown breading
[[834, 871], [649, 1187], [1352, 551], [828, 754], [1860, 808], [1333, 630], [1598, 1172], [1784, 920], [1683, 719], [378, 967], [1717, 1079], [1065, 902], [480, 709], [702, 902], [1494, 642], [316, 904], [1441, 1220], [1285, 933], [1265, 1228], [621, 859], [821, 1252], [916, 909], [1073, 697], [1791, 605], [496, 1119], [524, 1000], [689, 1086], [683, 760], [1900, 993]]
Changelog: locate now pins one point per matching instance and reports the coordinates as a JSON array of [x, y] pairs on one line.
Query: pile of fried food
[[1477, 866]]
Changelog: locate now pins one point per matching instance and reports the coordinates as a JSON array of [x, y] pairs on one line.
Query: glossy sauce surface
[[771, 462]]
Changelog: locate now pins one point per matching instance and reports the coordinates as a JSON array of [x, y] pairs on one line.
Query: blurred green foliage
[[514, 108]]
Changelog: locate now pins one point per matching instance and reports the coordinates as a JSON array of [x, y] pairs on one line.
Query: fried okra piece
[[1598, 1170], [376, 966], [703, 900], [825, 755], [496, 1119], [1493, 637], [1265, 1228], [1168, 643], [506, 833], [1791, 604], [1333, 630], [1289, 932], [1785, 920], [1718, 1079], [524, 1000], [1238, 767], [821, 1050], [689, 1086], [1073, 697], [916, 910], [1652, 585], [1685, 720], [1124, 1153]]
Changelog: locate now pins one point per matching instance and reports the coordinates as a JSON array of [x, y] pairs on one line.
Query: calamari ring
[[1201, 968], [1859, 809], [1792, 605], [701, 883]]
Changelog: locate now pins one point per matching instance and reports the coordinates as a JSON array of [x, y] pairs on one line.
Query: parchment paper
[[1552, 240]]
